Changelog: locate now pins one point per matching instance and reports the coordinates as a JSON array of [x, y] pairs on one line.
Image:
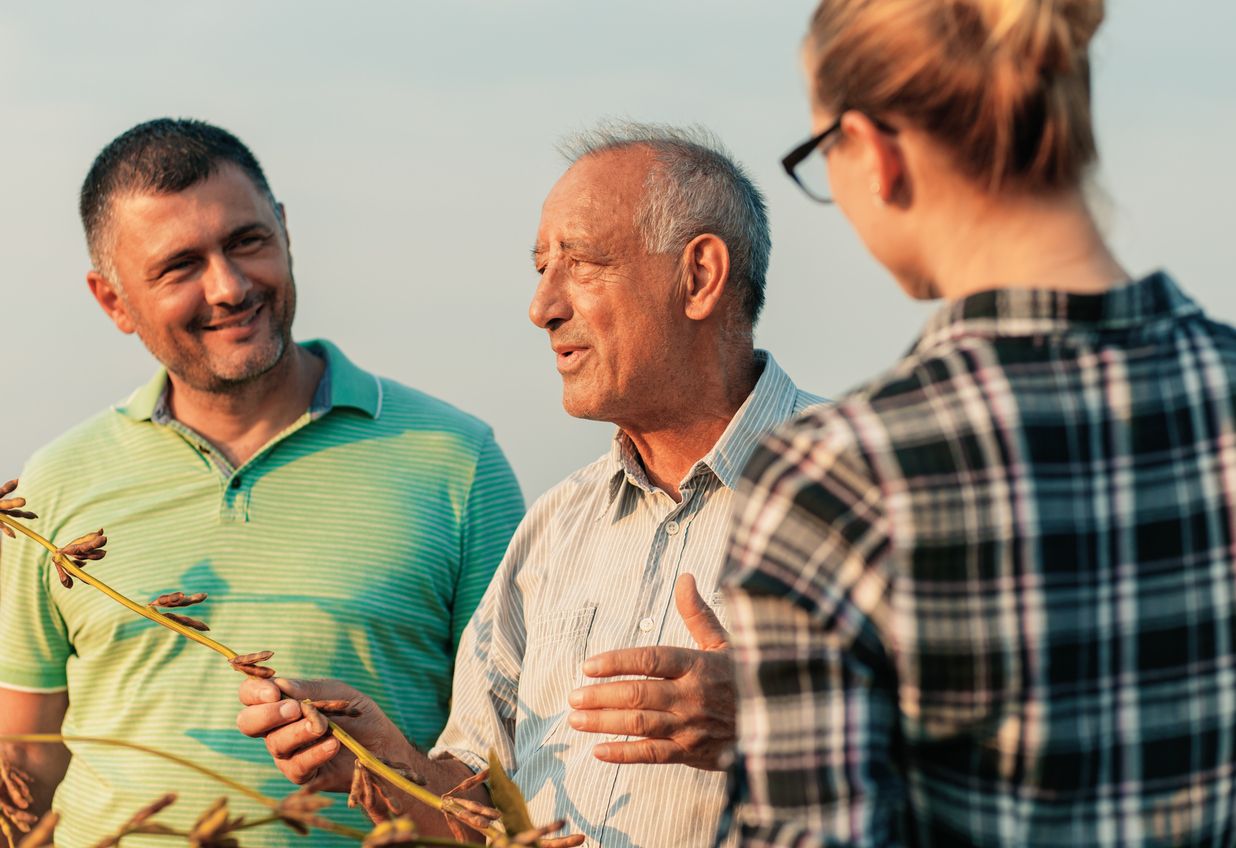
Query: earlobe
[[707, 273], [109, 299]]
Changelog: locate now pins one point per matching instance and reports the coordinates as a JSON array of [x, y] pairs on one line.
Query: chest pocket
[[553, 666]]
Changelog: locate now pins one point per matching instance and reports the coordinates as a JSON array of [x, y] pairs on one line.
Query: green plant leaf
[[507, 797]]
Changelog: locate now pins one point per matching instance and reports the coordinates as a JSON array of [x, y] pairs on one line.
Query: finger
[[653, 661], [261, 719], [651, 723], [561, 841], [284, 741], [316, 690], [701, 621], [304, 765], [257, 691], [625, 695], [656, 751]]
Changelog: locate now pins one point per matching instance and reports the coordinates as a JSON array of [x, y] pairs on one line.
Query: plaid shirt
[[988, 598]]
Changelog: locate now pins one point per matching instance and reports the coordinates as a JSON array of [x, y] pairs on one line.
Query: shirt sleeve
[[493, 511], [808, 591], [485, 690], [32, 632]]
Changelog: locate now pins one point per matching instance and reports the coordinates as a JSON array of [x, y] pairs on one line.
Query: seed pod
[[394, 833], [18, 513], [186, 621], [338, 708], [355, 790], [89, 546], [8, 531], [250, 659], [12, 503], [317, 721], [531, 837], [65, 580], [178, 599], [451, 807], [259, 671], [476, 807], [466, 784], [7, 487]]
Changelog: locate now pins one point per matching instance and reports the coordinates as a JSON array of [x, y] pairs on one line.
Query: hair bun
[[1048, 36]]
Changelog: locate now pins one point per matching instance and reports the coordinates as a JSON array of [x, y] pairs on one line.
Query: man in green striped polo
[[346, 522]]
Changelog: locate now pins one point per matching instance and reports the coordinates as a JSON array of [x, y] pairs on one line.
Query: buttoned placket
[[235, 484]]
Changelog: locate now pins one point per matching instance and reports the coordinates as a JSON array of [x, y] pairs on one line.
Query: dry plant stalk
[[213, 829]]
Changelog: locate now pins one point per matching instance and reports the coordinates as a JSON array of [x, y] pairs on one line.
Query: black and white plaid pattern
[[988, 599]]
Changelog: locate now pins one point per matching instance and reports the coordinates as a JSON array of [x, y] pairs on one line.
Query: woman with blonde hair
[[987, 598]]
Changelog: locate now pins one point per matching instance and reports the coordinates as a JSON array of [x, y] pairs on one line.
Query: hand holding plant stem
[[70, 563]]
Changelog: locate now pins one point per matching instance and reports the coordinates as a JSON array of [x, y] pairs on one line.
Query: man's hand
[[685, 714], [303, 749]]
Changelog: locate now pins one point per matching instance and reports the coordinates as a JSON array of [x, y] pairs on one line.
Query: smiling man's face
[[204, 277]]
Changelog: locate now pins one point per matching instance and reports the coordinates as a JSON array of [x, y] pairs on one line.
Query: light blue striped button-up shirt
[[591, 569]]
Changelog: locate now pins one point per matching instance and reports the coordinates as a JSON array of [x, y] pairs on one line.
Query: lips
[[238, 321]]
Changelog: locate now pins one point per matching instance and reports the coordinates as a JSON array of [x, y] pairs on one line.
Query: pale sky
[[413, 143]]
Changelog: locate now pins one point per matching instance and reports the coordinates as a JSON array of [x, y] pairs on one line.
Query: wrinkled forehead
[[599, 193]]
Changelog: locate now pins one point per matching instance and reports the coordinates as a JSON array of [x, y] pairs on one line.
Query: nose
[[224, 284], [550, 305]]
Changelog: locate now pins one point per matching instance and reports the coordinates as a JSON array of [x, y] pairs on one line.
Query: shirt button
[[646, 624], [671, 527], [236, 483]]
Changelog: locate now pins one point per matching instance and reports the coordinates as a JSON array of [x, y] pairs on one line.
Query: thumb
[[701, 623]]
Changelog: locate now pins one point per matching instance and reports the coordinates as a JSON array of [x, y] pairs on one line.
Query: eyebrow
[[539, 250]]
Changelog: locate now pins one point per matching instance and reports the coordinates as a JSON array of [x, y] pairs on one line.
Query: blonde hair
[[1004, 84]]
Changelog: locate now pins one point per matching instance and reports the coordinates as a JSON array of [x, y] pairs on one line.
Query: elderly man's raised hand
[[303, 748], [684, 714]]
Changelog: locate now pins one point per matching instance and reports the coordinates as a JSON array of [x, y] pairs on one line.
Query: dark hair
[[1004, 83], [163, 156], [695, 187]]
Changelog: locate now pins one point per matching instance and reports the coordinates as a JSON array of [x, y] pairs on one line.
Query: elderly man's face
[[608, 305]]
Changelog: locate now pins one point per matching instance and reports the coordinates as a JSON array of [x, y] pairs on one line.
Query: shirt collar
[[770, 403], [342, 385], [1043, 312]]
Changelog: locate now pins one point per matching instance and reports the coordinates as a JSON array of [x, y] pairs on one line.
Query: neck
[[239, 423], [679, 436], [979, 242]]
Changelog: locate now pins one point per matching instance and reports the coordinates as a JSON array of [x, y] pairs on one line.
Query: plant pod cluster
[[213, 828], [172, 600], [248, 664], [369, 795], [12, 507], [300, 809], [81, 549], [139, 822], [398, 832]]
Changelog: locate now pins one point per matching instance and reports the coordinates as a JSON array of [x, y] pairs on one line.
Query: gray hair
[[695, 187]]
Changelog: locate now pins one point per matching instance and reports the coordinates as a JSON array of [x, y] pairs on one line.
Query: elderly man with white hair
[[597, 664]]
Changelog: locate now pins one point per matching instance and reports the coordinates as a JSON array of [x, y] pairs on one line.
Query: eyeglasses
[[813, 180]]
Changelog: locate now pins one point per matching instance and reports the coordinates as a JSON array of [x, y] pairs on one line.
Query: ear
[[108, 296], [706, 273], [882, 157]]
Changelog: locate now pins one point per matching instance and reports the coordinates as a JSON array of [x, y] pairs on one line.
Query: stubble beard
[[198, 372]]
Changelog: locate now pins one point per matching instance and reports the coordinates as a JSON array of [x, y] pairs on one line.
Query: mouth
[[238, 322], [569, 356]]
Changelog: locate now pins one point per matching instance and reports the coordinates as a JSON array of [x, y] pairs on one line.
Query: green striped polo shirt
[[354, 545]]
